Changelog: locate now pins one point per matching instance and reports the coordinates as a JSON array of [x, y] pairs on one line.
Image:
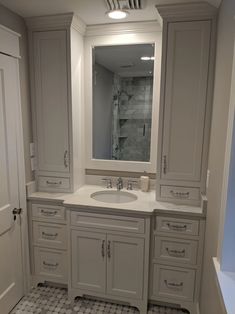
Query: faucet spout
[[119, 184]]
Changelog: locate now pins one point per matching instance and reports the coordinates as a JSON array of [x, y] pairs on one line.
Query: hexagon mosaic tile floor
[[52, 300]]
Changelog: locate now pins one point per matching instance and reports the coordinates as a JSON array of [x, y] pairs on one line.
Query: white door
[[125, 266], [11, 272], [89, 261]]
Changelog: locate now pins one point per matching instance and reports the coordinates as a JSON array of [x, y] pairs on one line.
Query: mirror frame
[[105, 37]]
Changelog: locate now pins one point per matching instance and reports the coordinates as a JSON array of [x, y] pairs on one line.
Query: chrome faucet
[[119, 183]]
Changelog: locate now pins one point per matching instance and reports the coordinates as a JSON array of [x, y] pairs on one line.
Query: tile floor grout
[[54, 300]]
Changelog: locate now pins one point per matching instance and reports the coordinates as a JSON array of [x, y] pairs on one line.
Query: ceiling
[[125, 60], [90, 11]]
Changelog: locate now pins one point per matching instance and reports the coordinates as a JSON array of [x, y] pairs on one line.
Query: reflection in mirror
[[122, 101]]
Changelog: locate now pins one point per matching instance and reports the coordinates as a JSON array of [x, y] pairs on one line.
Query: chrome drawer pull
[[103, 248], [180, 194], [164, 164], [54, 183], [109, 249], [50, 265], [175, 253], [177, 227], [173, 285], [49, 213], [66, 164], [49, 235]]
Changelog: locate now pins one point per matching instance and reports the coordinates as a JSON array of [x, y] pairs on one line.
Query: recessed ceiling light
[[117, 14]]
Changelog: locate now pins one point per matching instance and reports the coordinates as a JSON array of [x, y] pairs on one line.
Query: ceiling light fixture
[[117, 14], [145, 58]]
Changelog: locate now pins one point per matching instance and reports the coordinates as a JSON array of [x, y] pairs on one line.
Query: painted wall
[[226, 30], [16, 23], [102, 112]]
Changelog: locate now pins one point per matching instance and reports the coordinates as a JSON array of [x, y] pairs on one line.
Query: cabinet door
[[88, 261], [125, 266], [51, 100], [185, 100]]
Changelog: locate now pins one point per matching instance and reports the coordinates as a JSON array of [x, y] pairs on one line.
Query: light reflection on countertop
[[145, 203]]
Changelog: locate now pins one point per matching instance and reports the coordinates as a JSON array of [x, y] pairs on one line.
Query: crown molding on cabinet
[[122, 28], [196, 10], [55, 21]]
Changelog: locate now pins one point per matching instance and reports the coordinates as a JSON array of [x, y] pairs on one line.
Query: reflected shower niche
[[122, 102]]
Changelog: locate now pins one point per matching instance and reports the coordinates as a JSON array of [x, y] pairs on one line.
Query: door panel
[[51, 98], [185, 100], [11, 283], [88, 261], [125, 266]]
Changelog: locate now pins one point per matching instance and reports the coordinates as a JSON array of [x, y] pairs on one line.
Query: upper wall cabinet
[[56, 51], [185, 105]]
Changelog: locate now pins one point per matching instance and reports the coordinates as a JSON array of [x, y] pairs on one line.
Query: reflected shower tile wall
[[135, 110]]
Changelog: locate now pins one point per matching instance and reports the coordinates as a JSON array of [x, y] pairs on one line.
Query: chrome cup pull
[[53, 182], [182, 195], [175, 253], [176, 227], [50, 264], [174, 285], [48, 212], [46, 235]]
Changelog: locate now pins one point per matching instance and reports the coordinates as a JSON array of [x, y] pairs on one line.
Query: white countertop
[[145, 202]]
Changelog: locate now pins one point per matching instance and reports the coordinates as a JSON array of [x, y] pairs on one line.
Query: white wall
[[16, 23], [102, 113], [226, 30]]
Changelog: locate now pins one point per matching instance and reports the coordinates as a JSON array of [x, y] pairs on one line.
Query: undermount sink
[[114, 197]]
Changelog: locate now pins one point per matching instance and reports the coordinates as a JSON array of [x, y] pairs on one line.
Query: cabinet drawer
[[180, 193], [175, 250], [128, 224], [53, 183], [172, 282], [177, 225], [51, 263], [50, 235], [49, 212]]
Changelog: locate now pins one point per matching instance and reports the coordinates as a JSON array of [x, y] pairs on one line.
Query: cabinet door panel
[[185, 100], [125, 266], [51, 97], [88, 261]]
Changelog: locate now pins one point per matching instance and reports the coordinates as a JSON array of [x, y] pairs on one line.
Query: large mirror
[[122, 92]]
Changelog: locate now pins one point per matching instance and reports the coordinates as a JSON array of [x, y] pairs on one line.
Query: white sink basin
[[114, 197]]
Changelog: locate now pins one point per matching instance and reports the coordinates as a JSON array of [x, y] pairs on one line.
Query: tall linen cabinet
[[185, 100], [56, 56]]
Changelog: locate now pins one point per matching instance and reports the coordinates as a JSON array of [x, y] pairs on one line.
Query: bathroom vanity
[[139, 247], [137, 252]]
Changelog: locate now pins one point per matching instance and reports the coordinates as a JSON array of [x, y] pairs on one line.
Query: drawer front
[[49, 212], [120, 223], [180, 193], [51, 263], [50, 235], [177, 225], [173, 283], [175, 250], [53, 183]]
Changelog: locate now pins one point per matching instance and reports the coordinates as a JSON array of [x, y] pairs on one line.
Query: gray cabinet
[[185, 101], [125, 266], [176, 260], [51, 103], [109, 263], [56, 59], [88, 260]]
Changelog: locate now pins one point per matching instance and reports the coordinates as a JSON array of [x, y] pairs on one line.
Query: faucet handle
[[130, 184], [108, 182]]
